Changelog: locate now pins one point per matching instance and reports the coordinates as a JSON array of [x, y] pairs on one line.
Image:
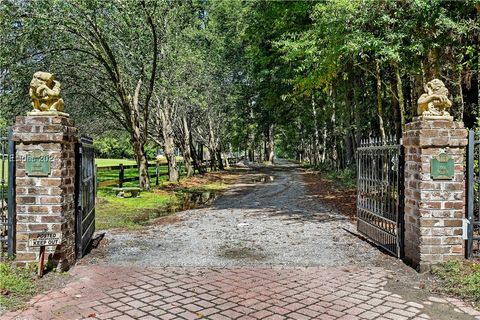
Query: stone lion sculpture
[[434, 102], [45, 93]]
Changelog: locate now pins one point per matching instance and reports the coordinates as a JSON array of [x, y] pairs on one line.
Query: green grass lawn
[[131, 213], [461, 278], [15, 285], [113, 162]]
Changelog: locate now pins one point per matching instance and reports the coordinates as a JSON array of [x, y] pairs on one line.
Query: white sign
[[465, 224], [44, 239]]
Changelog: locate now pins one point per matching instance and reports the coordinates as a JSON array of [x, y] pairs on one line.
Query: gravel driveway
[[267, 219]]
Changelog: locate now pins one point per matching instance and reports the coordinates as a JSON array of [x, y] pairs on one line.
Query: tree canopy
[[296, 79]]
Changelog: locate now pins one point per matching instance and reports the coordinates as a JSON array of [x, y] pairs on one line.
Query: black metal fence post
[[11, 194], [121, 176], [470, 193], [157, 172]]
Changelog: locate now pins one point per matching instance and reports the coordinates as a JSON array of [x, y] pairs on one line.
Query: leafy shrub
[[109, 147]]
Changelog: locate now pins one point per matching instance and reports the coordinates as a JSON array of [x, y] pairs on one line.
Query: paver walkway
[[260, 252]]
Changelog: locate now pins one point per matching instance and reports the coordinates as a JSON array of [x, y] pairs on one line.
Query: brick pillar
[[46, 204], [433, 208]]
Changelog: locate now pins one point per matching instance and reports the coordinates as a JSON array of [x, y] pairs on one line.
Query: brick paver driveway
[[261, 252]]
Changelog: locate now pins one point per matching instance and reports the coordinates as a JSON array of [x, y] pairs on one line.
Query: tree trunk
[[220, 160], [401, 99], [316, 135], [270, 147], [459, 115], [142, 163], [212, 145], [137, 140], [169, 142], [334, 155], [213, 160], [323, 157], [379, 100], [187, 156], [194, 155]]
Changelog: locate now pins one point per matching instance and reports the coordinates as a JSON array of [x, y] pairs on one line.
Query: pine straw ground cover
[[337, 190]]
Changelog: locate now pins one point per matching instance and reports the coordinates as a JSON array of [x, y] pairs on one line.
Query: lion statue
[[434, 102], [45, 93]]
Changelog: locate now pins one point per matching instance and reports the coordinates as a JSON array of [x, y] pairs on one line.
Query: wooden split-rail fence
[[205, 167]]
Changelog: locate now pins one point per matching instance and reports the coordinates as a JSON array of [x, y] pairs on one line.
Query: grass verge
[[133, 213], [16, 285], [460, 278]]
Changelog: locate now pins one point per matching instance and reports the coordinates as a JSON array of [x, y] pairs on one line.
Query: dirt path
[[266, 249]]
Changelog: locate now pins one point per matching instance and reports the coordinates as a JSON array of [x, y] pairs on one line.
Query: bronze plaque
[[37, 164], [442, 167]]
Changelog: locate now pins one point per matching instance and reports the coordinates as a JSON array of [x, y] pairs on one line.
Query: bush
[[108, 147], [346, 178], [113, 147]]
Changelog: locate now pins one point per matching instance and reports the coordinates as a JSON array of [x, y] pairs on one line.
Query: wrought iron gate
[[7, 195], [380, 193], [472, 223], [85, 195]]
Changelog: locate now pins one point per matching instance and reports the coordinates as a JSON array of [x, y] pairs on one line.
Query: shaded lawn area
[[16, 285], [459, 278], [19, 285], [113, 162], [133, 213], [115, 212]]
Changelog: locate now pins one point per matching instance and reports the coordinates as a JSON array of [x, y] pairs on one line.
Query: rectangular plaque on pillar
[[442, 167], [37, 164]]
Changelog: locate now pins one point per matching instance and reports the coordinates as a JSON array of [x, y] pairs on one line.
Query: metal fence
[[85, 194], [380, 193], [473, 197], [7, 195]]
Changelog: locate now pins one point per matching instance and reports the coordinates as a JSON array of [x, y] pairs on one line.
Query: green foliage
[[323, 74], [15, 285], [119, 148], [345, 178], [3, 126], [111, 147], [461, 278]]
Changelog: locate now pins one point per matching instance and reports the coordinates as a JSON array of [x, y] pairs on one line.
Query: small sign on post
[[442, 167], [37, 164], [42, 240]]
